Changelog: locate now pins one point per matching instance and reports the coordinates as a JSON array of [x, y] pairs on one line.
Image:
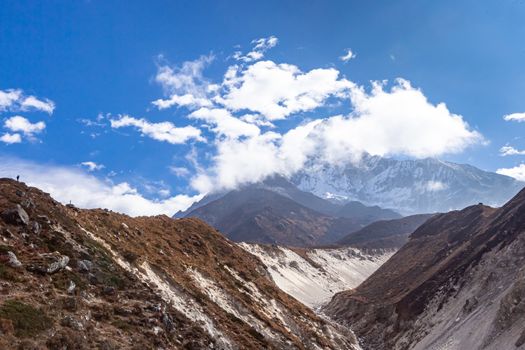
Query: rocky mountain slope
[[314, 275], [94, 279], [385, 234], [408, 186], [459, 283], [280, 215]]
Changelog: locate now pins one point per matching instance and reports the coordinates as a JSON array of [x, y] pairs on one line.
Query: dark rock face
[[460, 277], [15, 216], [385, 234], [263, 214]]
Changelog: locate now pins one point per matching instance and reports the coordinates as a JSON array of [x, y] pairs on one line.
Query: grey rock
[[35, 226], [71, 288], [13, 260], [15, 216], [48, 263], [58, 265], [84, 265], [28, 203], [72, 322]]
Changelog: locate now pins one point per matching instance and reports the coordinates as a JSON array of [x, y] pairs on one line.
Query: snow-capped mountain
[[408, 186]]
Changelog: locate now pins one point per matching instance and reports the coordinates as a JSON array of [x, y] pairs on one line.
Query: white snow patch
[[338, 269]]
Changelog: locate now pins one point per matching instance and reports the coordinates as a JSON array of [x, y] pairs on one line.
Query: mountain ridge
[[458, 283], [79, 279]]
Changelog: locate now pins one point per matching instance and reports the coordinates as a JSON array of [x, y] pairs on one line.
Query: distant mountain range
[[276, 212], [408, 186]]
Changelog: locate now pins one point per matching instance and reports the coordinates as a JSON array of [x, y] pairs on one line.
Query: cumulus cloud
[[11, 138], [21, 124], [185, 85], [518, 117], [33, 103], [397, 121], [14, 100], [517, 172], [260, 47], [223, 123], [92, 166], [510, 151], [164, 131], [278, 90], [349, 54], [86, 191]]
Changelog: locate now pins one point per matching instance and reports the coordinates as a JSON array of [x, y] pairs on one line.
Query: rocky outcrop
[[15, 216]]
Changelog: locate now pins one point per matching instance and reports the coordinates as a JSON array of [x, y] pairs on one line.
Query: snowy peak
[[408, 186]]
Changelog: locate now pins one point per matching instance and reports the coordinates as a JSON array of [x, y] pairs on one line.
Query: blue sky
[[92, 64]]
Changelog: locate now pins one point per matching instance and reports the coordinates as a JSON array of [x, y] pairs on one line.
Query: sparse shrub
[[8, 274], [66, 339], [27, 320], [130, 256]]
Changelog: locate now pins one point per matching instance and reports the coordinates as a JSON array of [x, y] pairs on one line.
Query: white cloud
[[92, 166], [11, 138], [180, 171], [517, 172], [185, 85], [164, 131], [86, 191], [510, 151], [21, 124], [399, 121], [187, 100], [518, 117], [278, 90], [14, 100], [348, 55], [8, 98], [223, 123], [31, 102], [260, 47]]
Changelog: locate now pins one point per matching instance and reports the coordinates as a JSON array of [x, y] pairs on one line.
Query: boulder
[[48, 263], [84, 265], [13, 260], [15, 216]]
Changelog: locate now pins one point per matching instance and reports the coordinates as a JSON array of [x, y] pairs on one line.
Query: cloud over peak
[[245, 109]]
